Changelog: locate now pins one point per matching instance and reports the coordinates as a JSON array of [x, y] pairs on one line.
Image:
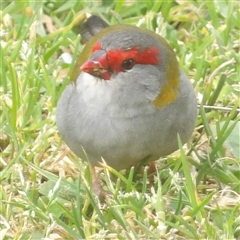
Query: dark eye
[[128, 64]]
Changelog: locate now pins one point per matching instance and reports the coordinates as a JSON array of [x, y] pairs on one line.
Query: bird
[[127, 100]]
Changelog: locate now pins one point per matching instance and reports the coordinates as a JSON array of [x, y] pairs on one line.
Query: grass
[[45, 190]]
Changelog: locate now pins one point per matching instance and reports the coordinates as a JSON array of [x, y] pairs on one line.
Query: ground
[[45, 189]]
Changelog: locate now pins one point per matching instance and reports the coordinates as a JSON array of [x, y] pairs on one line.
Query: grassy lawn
[[45, 190]]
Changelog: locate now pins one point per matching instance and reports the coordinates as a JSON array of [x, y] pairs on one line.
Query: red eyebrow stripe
[[115, 57], [149, 55], [96, 47]]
